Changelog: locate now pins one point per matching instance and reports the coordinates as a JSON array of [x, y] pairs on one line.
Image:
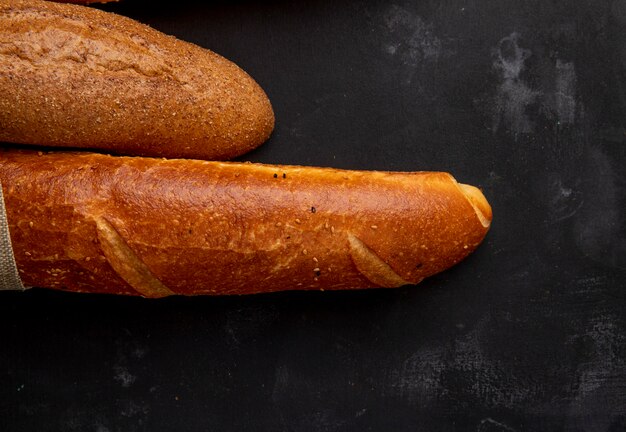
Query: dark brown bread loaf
[[75, 76], [152, 227]]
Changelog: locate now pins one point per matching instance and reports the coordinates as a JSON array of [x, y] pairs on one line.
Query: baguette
[[153, 227], [74, 76]]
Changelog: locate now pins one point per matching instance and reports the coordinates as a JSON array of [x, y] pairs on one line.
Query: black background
[[526, 99]]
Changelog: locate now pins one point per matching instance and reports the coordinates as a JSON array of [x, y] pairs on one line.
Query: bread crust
[[152, 227], [75, 76]]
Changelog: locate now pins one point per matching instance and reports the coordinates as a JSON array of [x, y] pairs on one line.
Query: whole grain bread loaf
[[74, 76]]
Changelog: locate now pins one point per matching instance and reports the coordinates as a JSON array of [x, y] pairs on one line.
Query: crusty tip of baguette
[[479, 202]]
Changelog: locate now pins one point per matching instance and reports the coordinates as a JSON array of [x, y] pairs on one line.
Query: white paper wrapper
[[9, 276]]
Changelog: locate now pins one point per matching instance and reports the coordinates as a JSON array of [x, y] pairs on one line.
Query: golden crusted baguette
[[153, 227], [75, 76]]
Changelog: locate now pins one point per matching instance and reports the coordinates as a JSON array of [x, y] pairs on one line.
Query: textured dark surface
[[526, 99]]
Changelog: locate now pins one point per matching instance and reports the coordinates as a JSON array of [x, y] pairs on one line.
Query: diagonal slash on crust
[[127, 264], [372, 266]]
